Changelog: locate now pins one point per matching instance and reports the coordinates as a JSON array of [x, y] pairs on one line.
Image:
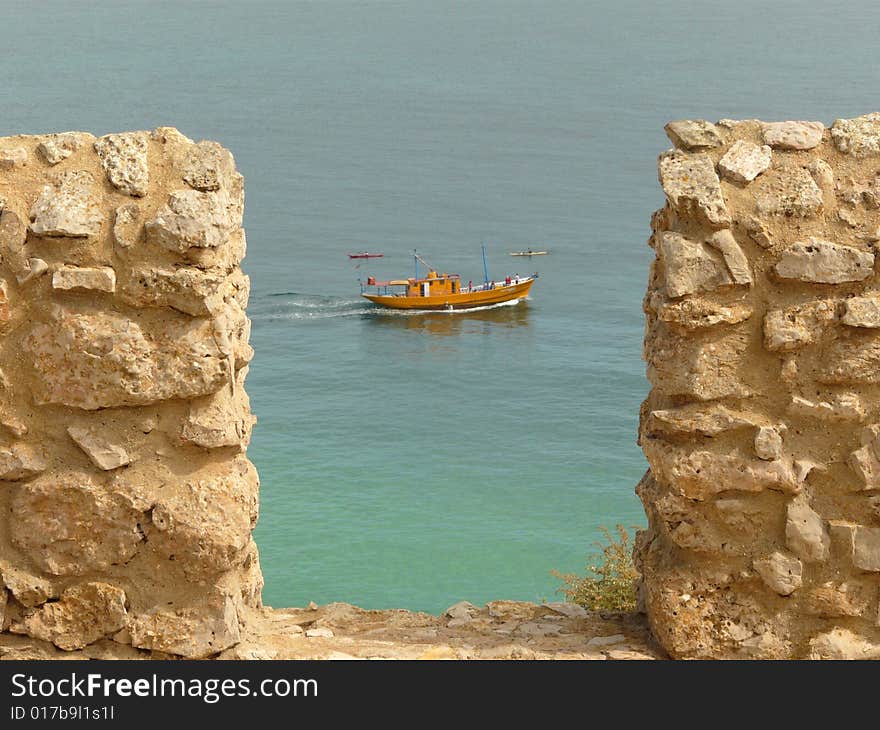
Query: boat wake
[[294, 306]]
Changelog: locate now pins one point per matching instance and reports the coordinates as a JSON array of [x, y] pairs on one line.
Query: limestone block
[[127, 225], [189, 290], [843, 407], [859, 137], [692, 187], [805, 532], [194, 632], [70, 525], [102, 360], [700, 474], [693, 134], [209, 167], [798, 326], [768, 443], [71, 206], [56, 148], [744, 161], [824, 262], [788, 193], [735, 260], [862, 312], [697, 420], [85, 613], [836, 600], [100, 278], [842, 644], [701, 368], [28, 589], [782, 573], [206, 521], [124, 159], [861, 544], [219, 420], [102, 452], [850, 359], [20, 461], [695, 313], [793, 135], [194, 219], [13, 157], [690, 266]]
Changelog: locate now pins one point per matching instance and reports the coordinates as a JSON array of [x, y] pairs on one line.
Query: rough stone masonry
[[762, 429], [126, 499]]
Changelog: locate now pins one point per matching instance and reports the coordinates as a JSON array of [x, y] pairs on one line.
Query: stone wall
[[762, 429], [126, 499]]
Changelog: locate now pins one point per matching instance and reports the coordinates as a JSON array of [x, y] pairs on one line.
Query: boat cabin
[[433, 285]]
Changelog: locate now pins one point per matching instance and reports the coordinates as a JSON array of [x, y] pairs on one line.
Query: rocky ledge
[[498, 630]]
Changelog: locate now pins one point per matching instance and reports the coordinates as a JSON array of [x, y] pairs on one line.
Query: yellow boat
[[442, 291]]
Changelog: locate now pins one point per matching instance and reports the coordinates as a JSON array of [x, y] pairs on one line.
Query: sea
[[415, 460]]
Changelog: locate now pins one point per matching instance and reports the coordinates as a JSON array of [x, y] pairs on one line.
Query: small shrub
[[610, 582]]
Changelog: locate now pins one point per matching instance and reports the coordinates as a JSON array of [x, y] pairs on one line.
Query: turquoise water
[[417, 460]]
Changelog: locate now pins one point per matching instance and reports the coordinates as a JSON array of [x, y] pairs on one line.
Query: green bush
[[610, 582]]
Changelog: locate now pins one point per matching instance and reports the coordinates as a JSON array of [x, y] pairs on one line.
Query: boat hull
[[463, 300]]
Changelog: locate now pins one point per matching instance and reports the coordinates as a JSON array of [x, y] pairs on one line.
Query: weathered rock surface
[[824, 262], [99, 278], [761, 429], [693, 134], [744, 161], [85, 613], [124, 158], [859, 137], [792, 193], [793, 135], [70, 206], [692, 187], [127, 503]]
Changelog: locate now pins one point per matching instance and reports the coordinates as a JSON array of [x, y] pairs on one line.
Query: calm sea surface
[[417, 460]]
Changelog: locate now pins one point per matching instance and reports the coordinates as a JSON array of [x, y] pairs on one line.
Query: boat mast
[[416, 262], [485, 267]]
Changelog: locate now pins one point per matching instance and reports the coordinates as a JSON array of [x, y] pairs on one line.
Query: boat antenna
[[485, 267], [424, 263], [416, 262]]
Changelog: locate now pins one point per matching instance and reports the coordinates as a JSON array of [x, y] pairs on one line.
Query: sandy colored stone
[[56, 148], [101, 452], [193, 632], [70, 206], [188, 290], [219, 420], [84, 613], [695, 314], [734, 258], [842, 644], [744, 161], [843, 407], [693, 134], [696, 420], [768, 443], [782, 573], [69, 525], [859, 137], [102, 360], [791, 193], [13, 157], [209, 167], [793, 135], [193, 219], [798, 326], [692, 187], [862, 312], [124, 159], [824, 262], [805, 532], [127, 225], [28, 589], [20, 461], [690, 266], [99, 279]]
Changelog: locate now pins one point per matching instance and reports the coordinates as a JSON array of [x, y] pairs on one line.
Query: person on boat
[[470, 284], [507, 281]]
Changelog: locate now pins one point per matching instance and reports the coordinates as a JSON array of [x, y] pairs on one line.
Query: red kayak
[[365, 255]]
